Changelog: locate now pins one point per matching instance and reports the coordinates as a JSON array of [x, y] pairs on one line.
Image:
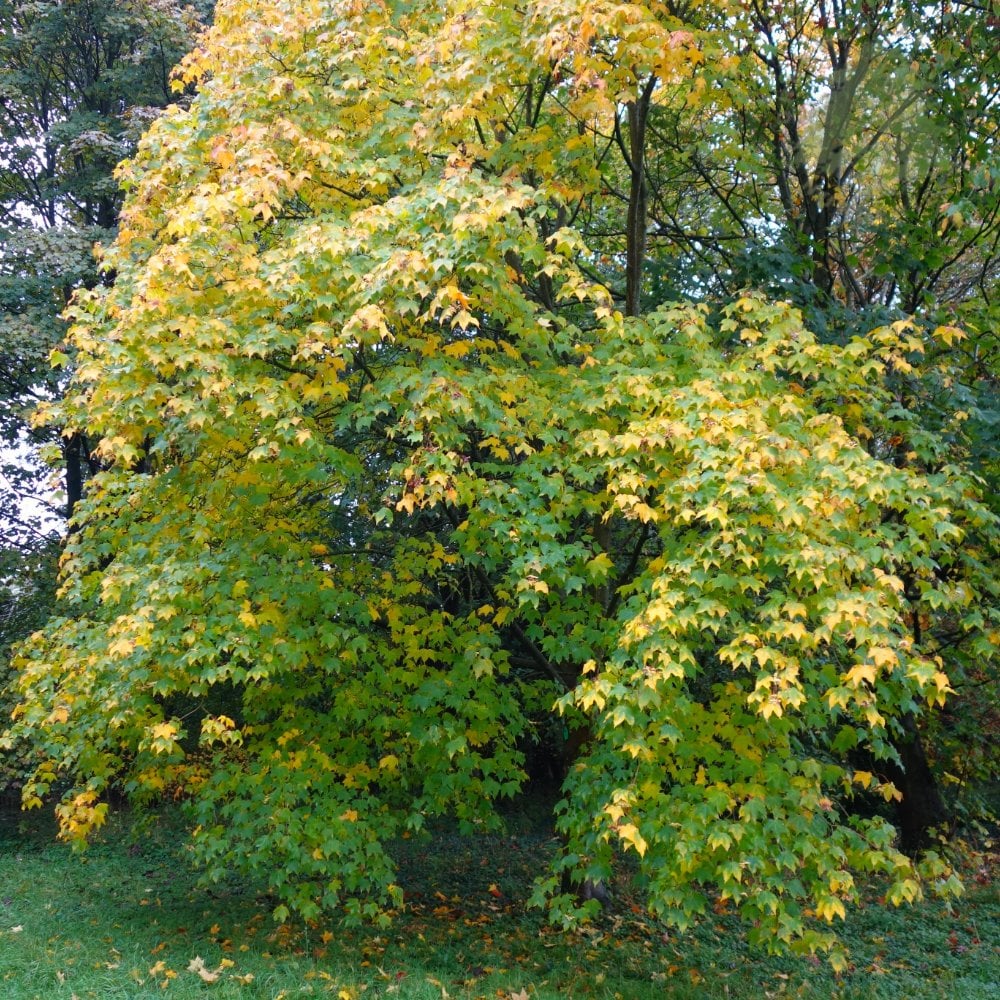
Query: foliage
[[27, 597], [393, 436], [79, 82]]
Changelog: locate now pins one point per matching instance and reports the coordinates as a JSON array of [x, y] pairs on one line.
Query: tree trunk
[[73, 455], [921, 808], [584, 889], [635, 237]]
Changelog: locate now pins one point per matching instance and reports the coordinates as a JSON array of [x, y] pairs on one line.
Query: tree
[[397, 447], [844, 157], [79, 82], [27, 597], [846, 160]]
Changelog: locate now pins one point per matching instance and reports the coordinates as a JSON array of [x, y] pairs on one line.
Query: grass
[[125, 920]]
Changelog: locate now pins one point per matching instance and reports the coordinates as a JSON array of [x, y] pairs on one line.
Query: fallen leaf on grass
[[197, 965], [520, 995]]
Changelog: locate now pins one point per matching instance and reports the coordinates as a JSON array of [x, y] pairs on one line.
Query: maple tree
[[79, 83], [849, 166], [403, 453]]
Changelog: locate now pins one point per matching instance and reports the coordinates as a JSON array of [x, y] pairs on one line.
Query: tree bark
[[635, 236], [74, 458], [922, 808]]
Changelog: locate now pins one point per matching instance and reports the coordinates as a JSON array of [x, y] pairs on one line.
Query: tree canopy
[[417, 427], [79, 82]]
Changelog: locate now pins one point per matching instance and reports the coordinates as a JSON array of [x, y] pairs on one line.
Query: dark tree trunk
[[638, 112], [74, 457], [573, 749], [921, 809]]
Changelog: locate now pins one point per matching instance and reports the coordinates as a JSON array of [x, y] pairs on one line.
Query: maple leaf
[[197, 966]]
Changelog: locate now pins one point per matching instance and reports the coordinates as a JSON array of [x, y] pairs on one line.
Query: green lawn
[[126, 921]]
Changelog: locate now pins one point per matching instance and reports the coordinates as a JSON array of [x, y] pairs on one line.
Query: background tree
[[846, 160], [842, 154], [79, 82], [399, 445], [27, 597]]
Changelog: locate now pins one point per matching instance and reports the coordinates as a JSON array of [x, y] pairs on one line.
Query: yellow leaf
[[222, 154], [890, 792], [838, 962], [614, 811], [197, 966], [629, 833], [772, 706], [859, 673], [121, 647], [830, 907], [949, 334], [883, 656], [795, 630]]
